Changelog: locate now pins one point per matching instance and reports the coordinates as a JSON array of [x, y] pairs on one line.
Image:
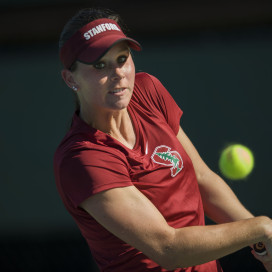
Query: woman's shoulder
[[145, 82], [82, 152], [81, 144], [143, 77]]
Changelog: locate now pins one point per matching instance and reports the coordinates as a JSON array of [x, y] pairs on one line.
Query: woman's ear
[[68, 77]]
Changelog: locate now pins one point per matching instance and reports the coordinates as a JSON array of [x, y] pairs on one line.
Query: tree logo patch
[[163, 155]]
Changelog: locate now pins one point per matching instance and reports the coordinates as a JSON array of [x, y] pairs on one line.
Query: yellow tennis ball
[[236, 162]]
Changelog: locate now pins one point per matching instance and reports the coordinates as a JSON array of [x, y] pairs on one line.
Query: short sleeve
[[158, 96], [89, 171]]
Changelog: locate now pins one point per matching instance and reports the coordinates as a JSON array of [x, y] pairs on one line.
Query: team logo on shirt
[[163, 155]]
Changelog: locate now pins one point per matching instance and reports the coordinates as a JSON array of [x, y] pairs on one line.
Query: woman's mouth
[[119, 91]]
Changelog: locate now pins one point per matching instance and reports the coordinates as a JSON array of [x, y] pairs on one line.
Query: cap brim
[[98, 49]]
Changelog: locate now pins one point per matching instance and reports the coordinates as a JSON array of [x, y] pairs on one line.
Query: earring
[[74, 88]]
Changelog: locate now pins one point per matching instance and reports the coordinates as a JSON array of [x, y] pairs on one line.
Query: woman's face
[[107, 84]]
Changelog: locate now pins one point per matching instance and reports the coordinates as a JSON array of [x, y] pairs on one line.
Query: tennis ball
[[236, 162]]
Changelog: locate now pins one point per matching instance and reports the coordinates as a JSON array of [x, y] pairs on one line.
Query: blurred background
[[215, 59]]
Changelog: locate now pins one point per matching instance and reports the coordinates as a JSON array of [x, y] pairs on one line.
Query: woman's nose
[[118, 73]]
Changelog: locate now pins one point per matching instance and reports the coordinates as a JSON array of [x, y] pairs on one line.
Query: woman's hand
[[267, 258]]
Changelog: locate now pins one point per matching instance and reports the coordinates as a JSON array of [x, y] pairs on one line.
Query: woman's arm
[[220, 203], [129, 215]]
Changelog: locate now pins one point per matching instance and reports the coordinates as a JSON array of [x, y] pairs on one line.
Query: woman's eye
[[99, 65], [122, 59]]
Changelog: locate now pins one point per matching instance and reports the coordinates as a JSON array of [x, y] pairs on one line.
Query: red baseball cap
[[92, 42]]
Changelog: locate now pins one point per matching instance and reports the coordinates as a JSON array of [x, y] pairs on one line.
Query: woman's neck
[[117, 124]]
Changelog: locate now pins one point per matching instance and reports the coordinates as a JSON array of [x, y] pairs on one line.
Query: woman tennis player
[[128, 174]]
